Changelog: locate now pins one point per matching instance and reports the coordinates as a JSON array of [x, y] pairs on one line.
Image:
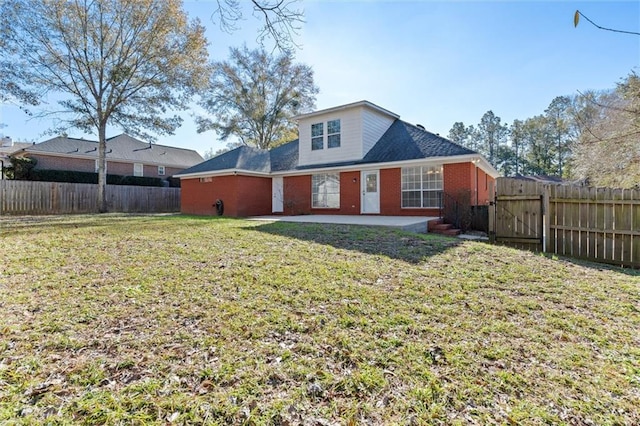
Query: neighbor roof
[[121, 147], [5, 151], [401, 142]]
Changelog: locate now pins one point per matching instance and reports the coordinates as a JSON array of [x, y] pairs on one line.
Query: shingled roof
[[401, 142], [242, 158], [122, 147]]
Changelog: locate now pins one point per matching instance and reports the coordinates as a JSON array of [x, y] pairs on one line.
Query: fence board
[[38, 198], [600, 224]]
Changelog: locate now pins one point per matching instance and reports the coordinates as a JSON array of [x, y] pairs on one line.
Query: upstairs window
[[317, 136], [333, 134]]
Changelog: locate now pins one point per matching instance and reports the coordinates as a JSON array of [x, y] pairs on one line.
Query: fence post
[[546, 219], [492, 212], [2, 195]]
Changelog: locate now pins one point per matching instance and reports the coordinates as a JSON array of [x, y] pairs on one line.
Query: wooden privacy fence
[[598, 224], [27, 197]]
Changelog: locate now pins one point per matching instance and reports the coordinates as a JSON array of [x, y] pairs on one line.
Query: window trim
[[325, 176], [325, 136], [317, 137], [423, 187], [338, 133], [141, 167]]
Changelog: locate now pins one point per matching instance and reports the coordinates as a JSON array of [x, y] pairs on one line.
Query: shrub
[[88, 177], [21, 168]]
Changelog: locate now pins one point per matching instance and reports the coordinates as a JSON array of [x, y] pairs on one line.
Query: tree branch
[[576, 19]]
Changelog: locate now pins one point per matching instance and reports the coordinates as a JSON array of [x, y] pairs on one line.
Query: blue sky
[[431, 62]]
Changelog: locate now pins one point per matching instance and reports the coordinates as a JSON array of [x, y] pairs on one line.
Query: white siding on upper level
[[361, 126], [374, 124], [350, 138]]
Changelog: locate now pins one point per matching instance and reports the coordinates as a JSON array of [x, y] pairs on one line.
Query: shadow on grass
[[585, 263], [374, 240]]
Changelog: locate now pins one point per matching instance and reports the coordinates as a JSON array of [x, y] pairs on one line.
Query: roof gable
[[352, 105]]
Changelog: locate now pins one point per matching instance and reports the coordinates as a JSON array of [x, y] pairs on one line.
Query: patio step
[[449, 232], [439, 227], [433, 223]]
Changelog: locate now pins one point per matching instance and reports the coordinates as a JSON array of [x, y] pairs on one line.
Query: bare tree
[[113, 62], [254, 96], [576, 21], [281, 19], [607, 152]]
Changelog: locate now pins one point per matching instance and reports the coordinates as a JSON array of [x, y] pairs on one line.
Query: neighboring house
[[126, 156], [7, 148], [352, 159]]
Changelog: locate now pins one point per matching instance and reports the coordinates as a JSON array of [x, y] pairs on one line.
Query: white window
[[317, 136], [422, 187], [138, 169], [333, 134], [160, 170], [325, 191]]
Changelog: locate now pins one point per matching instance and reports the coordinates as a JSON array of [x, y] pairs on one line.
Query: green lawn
[[167, 319]]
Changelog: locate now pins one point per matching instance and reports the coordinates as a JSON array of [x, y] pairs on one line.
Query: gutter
[[479, 162]]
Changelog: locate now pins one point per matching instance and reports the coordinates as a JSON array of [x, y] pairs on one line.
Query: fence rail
[[37, 198], [597, 224]]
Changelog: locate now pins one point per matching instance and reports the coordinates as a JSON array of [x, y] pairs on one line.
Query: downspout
[[1, 169], [475, 165]]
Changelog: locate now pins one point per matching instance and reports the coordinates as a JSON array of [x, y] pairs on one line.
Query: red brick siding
[[50, 162], [199, 197], [253, 196], [242, 196], [350, 193], [463, 177], [458, 180], [297, 195], [484, 181]]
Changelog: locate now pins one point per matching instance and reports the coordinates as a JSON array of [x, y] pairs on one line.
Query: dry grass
[[141, 320]]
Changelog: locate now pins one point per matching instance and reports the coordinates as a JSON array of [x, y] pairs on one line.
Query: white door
[[277, 195], [370, 191]]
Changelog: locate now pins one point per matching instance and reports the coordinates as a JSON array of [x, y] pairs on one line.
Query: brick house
[[351, 160], [126, 156]]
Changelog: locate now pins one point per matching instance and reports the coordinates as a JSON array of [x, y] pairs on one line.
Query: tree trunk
[[102, 168]]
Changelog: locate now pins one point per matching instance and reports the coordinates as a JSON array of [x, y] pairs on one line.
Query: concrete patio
[[406, 223]]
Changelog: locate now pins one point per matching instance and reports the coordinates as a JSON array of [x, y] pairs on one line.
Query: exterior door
[[277, 195], [370, 191]]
